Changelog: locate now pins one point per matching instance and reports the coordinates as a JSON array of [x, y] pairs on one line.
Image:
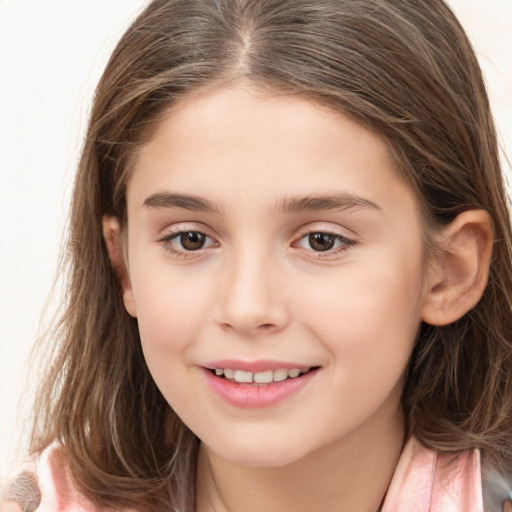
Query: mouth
[[262, 378], [258, 384]]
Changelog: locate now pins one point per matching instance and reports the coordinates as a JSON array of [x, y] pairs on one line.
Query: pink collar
[[424, 481], [429, 481]]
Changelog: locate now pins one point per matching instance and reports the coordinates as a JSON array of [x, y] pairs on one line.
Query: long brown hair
[[406, 70]]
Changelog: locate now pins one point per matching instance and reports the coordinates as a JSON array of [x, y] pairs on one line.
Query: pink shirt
[[424, 481], [429, 481]]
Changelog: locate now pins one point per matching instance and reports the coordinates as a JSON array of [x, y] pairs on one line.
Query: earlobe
[[459, 273], [112, 236]]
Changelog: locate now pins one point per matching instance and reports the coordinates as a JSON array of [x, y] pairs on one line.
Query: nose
[[254, 298]]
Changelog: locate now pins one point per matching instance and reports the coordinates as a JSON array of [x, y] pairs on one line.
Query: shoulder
[[426, 480]]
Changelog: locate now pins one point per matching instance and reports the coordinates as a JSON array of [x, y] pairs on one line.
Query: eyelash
[[345, 243], [168, 242]]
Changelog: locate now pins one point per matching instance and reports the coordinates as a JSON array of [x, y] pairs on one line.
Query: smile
[[260, 378], [262, 387]]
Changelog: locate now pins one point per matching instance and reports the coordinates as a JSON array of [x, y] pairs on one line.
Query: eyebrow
[[315, 202], [335, 201], [186, 202]]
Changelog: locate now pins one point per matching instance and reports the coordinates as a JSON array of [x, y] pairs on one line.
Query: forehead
[[239, 144]]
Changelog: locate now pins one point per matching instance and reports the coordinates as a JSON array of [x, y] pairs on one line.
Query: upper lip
[[255, 366]]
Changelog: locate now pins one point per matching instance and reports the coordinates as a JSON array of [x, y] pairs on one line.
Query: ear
[[112, 236], [459, 273]]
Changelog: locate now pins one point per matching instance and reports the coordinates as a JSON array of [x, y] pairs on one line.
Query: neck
[[351, 474]]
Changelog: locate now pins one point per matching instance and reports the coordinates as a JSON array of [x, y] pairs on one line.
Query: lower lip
[[247, 396]]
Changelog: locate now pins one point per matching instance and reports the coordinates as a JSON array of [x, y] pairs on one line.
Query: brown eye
[[321, 241], [192, 240], [325, 242], [187, 244]]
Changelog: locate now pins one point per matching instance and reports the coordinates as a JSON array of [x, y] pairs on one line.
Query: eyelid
[[176, 228], [330, 227]]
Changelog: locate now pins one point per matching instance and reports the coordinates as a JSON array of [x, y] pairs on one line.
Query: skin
[[9, 506], [258, 290]]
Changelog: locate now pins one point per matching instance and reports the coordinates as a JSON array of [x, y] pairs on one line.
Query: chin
[[258, 454]]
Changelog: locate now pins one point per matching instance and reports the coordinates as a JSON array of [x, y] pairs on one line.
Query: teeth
[[265, 377], [242, 376], [280, 375], [229, 374]]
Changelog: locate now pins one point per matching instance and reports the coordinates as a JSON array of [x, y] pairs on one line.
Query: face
[[276, 270]]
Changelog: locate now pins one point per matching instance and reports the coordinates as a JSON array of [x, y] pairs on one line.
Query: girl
[[290, 270]]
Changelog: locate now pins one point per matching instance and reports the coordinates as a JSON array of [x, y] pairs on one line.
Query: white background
[[51, 55]]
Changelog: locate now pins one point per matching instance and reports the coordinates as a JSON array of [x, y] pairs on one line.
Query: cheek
[[368, 327], [369, 320], [170, 315], [170, 312]]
